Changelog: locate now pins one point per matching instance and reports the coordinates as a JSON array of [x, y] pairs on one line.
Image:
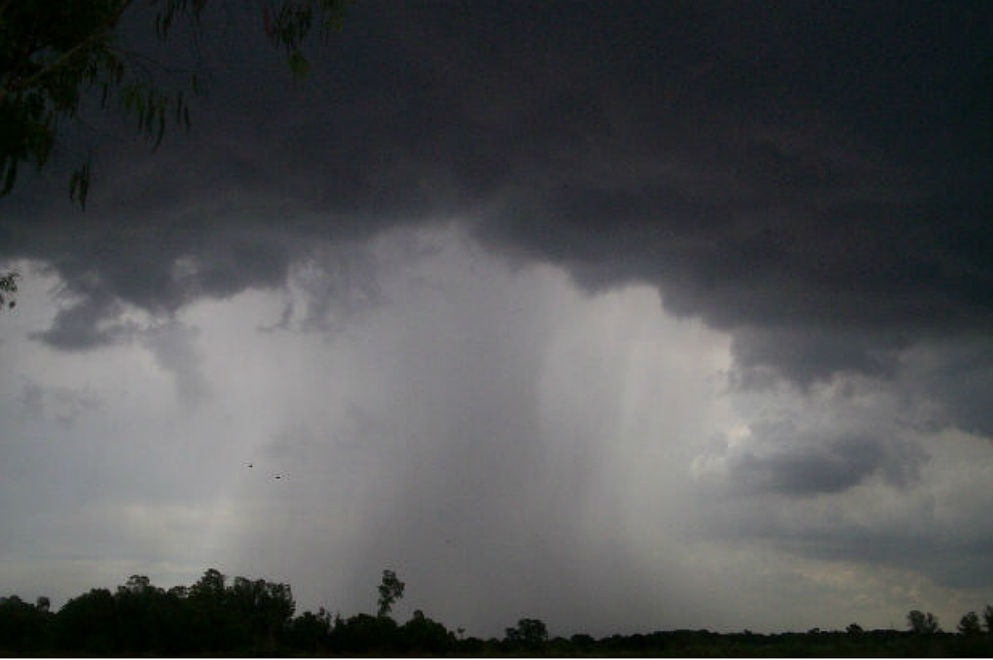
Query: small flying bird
[[250, 465], [278, 476]]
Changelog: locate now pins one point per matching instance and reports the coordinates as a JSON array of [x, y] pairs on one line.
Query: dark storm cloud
[[83, 324], [805, 354], [811, 177], [780, 458], [829, 468], [958, 377]]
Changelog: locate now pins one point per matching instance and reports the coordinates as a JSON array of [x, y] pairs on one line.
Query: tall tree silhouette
[[390, 591], [921, 623]]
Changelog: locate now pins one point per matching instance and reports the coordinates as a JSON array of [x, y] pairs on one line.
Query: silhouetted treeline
[[254, 617]]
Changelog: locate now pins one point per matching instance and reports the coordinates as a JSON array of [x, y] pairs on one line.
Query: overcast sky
[[624, 316]]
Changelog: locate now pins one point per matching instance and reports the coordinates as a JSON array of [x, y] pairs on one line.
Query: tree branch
[[69, 54]]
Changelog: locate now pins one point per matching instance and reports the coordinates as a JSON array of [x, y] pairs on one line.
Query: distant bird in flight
[[250, 465], [278, 476]]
